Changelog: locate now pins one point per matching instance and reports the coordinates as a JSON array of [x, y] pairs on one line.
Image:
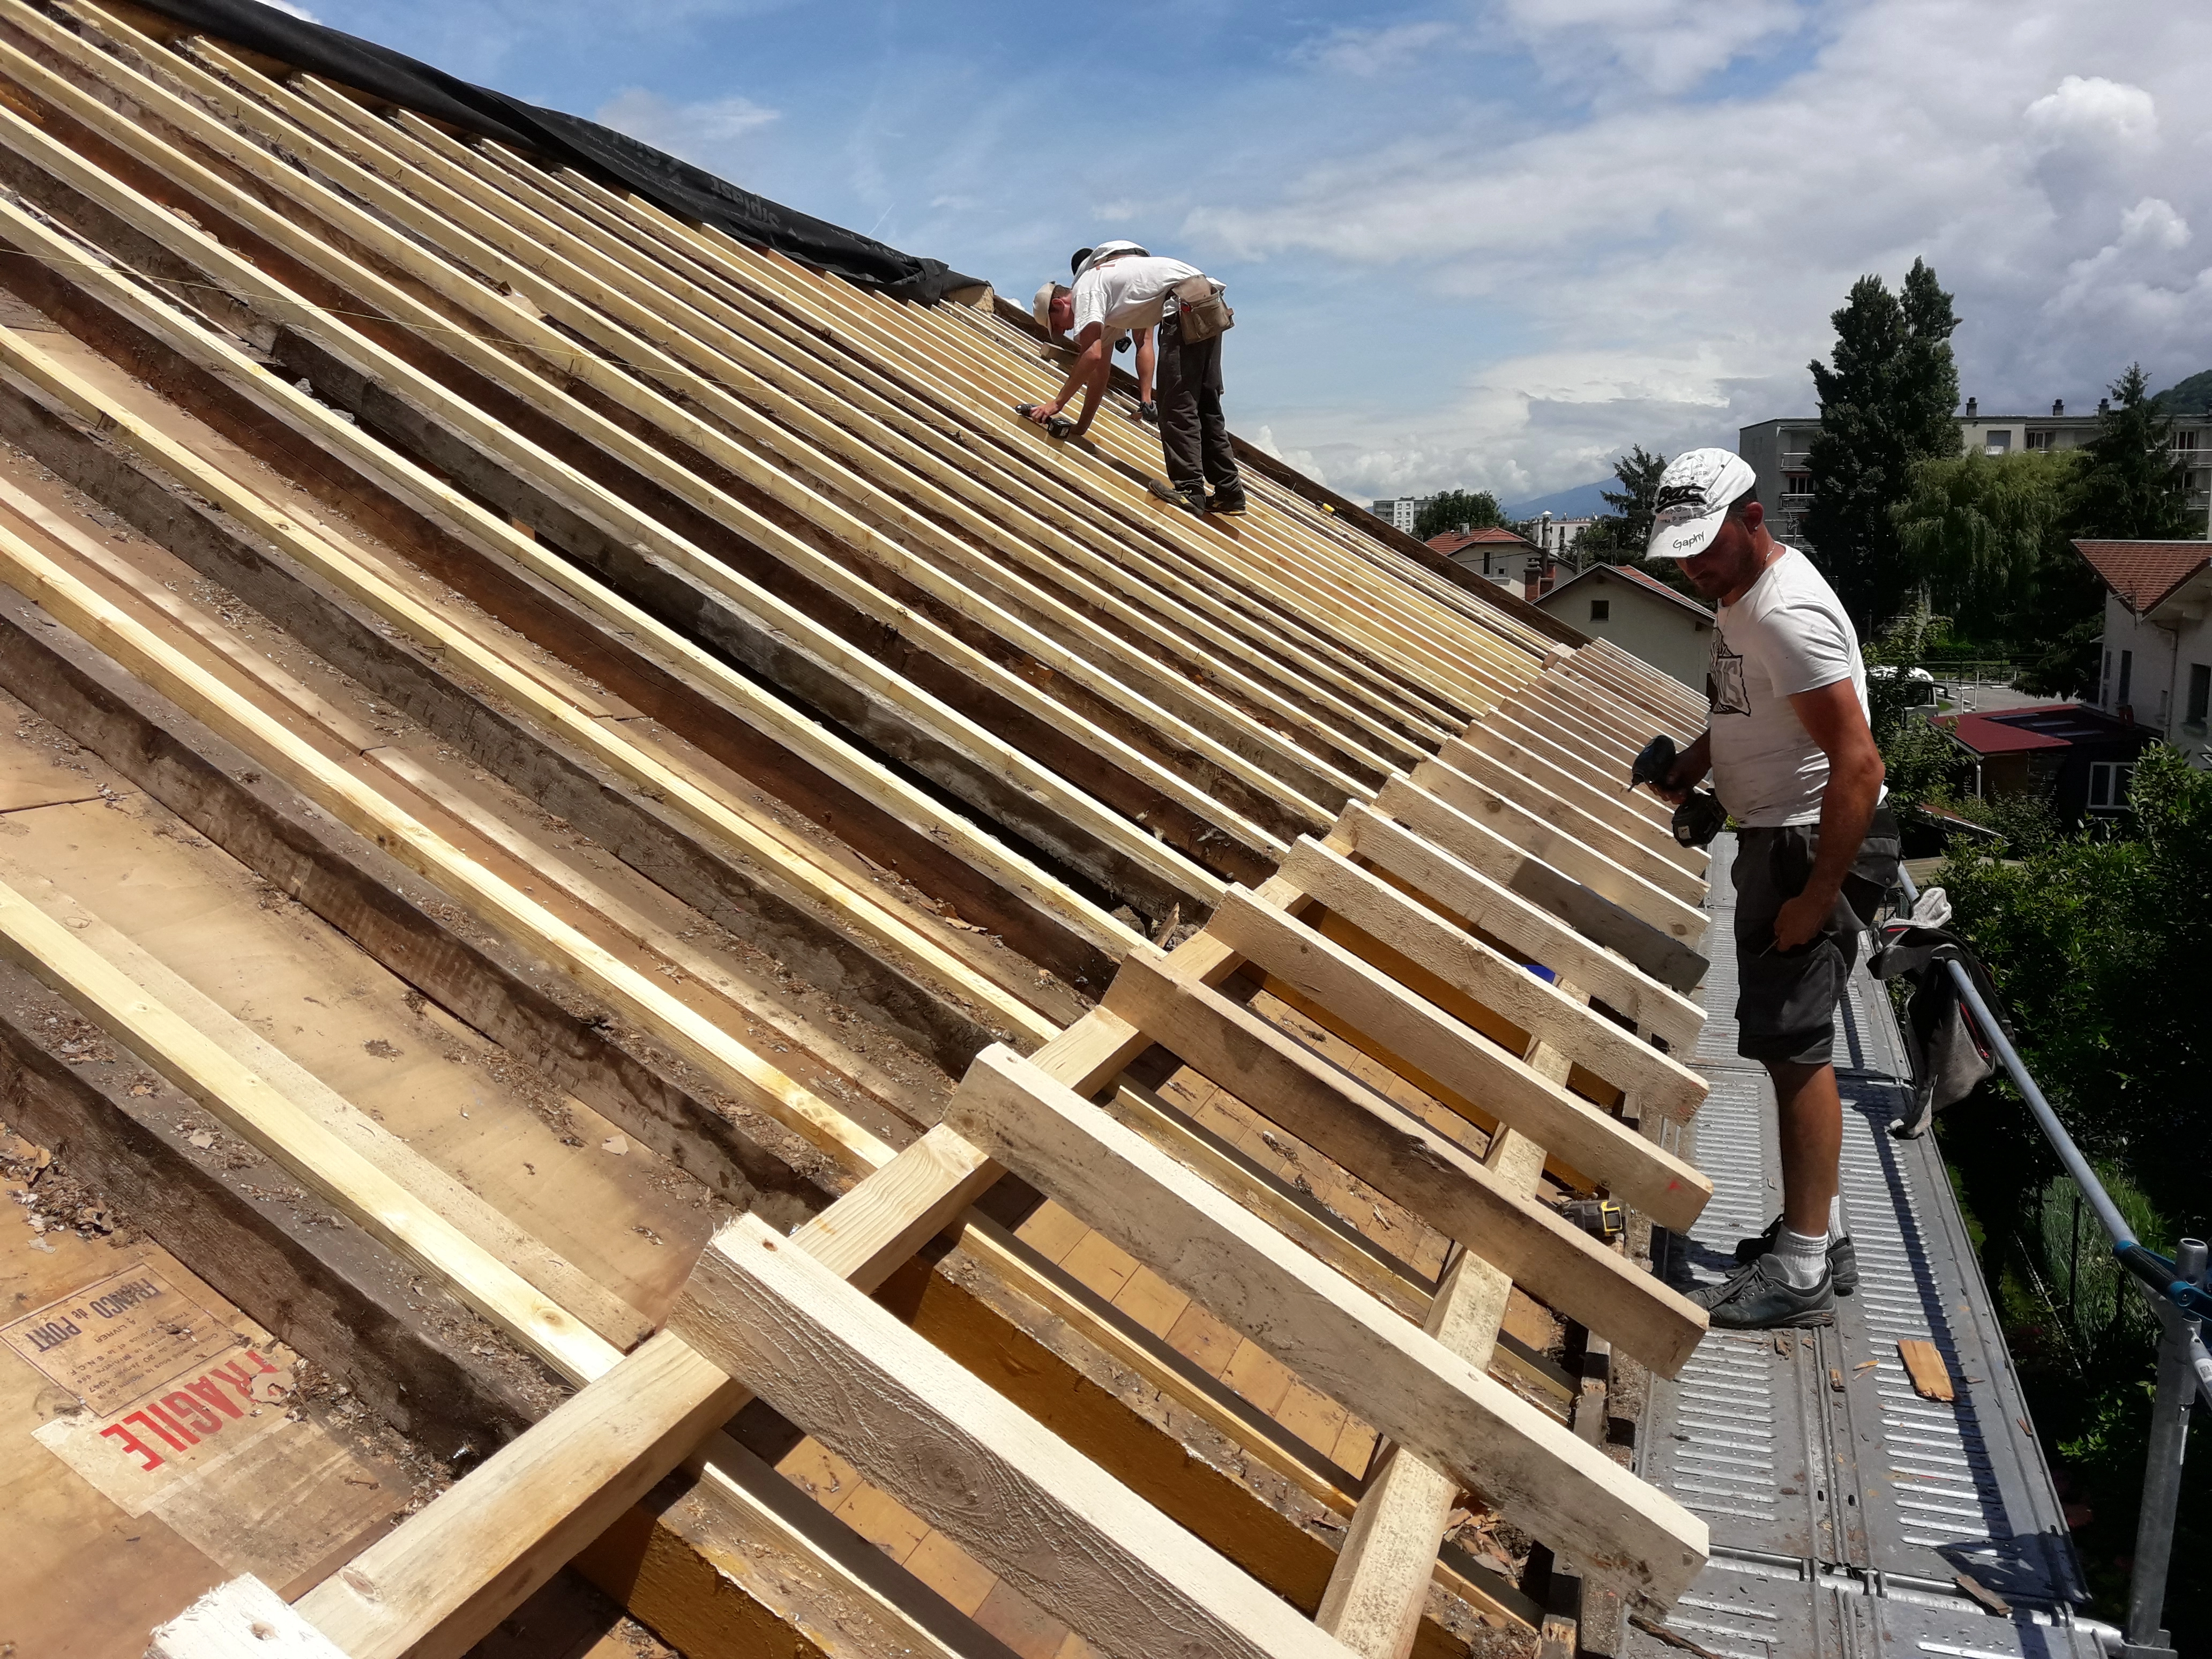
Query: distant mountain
[[1582, 501], [2193, 397]]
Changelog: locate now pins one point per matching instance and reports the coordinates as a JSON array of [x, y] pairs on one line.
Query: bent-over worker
[[1120, 287], [1794, 762]]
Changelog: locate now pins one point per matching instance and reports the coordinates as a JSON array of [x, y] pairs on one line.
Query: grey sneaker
[[1762, 1299], [1843, 1255], [1190, 501]]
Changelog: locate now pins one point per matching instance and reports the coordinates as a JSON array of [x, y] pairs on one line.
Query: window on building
[[2190, 439], [2108, 785], [1600, 610], [2043, 439], [1997, 443], [2127, 678], [2200, 695]]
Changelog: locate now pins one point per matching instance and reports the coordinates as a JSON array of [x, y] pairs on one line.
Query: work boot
[[1843, 1255], [1761, 1298], [1229, 503], [1192, 500]]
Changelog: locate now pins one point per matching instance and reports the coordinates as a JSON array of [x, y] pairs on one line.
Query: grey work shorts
[[1786, 1001]]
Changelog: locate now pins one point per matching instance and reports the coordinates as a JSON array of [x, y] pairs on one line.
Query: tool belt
[[1202, 311]]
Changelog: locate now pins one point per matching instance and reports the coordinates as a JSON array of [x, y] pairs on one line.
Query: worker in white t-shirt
[[1119, 289], [1794, 762]]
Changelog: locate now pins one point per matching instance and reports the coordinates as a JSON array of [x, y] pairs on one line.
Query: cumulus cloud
[[708, 133], [1665, 264], [2091, 110]]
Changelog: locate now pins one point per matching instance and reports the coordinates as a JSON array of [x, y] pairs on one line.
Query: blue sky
[[1486, 244]]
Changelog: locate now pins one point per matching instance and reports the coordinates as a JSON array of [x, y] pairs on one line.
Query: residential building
[[1780, 453], [1558, 536], [2080, 757], [2155, 668], [1510, 560], [1400, 512], [1641, 615]]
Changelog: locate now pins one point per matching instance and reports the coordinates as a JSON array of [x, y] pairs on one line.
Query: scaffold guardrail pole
[[2177, 1295]]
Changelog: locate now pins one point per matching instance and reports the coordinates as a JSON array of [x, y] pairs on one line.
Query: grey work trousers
[[1192, 433]]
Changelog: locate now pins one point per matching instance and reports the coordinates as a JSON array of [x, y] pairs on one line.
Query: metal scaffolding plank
[[1844, 1506]]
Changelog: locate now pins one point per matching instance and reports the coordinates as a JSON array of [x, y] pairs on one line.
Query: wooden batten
[[1180, 859]]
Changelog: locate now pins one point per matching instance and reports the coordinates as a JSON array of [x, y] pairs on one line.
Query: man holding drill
[[1794, 762], [1117, 287]]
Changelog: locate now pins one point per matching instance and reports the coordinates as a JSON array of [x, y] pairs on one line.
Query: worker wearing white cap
[[1794, 762], [1119, 286]]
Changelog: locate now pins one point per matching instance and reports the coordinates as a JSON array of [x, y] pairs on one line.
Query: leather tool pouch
[[1203, 312]]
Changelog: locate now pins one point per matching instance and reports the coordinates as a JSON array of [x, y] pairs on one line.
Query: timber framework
[[663, 948]]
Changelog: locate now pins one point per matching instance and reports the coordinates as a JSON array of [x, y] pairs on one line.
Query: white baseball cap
[[1040, 307], [1695, 493], [1085, 257]]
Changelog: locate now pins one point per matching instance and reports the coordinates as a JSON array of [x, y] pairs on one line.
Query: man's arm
[[1688, 772], [1832, 718], [1088, 376], [1147, 360]]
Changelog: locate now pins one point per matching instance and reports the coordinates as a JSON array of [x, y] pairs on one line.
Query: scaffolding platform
[[1848, 1512]]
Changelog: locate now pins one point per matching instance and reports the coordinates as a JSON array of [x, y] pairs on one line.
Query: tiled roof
[[2039, 726], [1629, 572], [2145, 573], [1489, 535]]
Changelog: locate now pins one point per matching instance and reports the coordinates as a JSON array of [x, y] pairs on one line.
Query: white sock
[[1804, 1257], [1836, 1228]]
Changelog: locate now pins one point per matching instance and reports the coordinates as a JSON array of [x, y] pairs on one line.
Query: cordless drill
[[1698, 819]]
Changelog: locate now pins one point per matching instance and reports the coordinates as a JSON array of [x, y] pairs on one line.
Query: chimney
[[1972, 408], [2057, 406]]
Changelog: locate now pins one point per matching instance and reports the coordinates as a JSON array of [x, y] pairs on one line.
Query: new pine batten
[[1309, 764]]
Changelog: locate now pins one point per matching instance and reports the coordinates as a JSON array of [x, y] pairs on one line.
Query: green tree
[[2100, 942], [1626, 529], [1988, 535], [2131, 486], [1456, 509], [2103, 945], [1887, 401], [1922, 764]]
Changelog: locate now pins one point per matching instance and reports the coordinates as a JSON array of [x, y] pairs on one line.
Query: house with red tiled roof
[[2155, 669], [1641, 615], [2077, 756], [1505, 557]]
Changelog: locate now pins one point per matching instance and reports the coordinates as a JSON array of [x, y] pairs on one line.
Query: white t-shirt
[[1126, 292], [1788, 634]]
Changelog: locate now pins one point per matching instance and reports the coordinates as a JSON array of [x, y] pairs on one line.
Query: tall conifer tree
[[2131, 486], [1887, 401]]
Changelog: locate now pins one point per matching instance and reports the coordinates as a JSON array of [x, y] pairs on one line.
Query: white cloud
[[1370, 52], [1669, 45], [1662, 266], [708, 133], [291, 10], [2097, 112], [1302, 459]]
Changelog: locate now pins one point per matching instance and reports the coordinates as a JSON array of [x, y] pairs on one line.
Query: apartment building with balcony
[[1780, 453], [1400, 511]]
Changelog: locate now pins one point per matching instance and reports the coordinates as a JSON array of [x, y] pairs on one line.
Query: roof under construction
[[646, 935]]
